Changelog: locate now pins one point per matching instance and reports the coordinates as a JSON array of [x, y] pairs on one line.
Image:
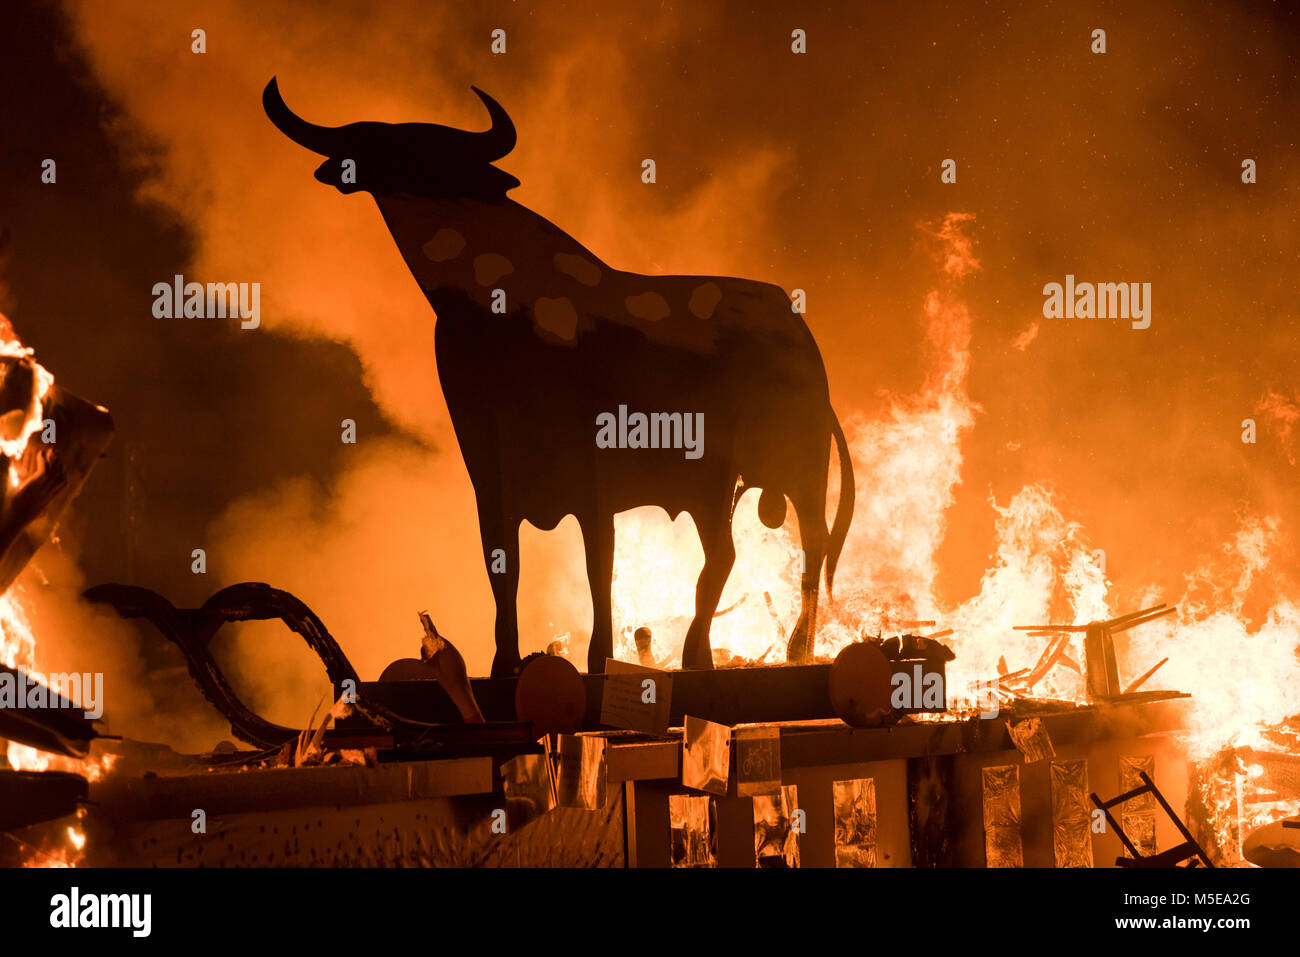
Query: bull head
[[421, 159]]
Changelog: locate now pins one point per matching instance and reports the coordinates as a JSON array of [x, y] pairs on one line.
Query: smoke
[[395, 531], [6, 297], [145, 699], [46, 628], [809, 171]]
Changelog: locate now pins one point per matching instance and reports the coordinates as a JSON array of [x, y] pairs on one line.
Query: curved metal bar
[[258, 601], [192, 630]]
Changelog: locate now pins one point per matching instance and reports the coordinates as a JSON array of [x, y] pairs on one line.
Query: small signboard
[[529, 791], [777, 828], [758, 761], [694, 839], [706, 755], [855, 822], [636, 697], [583, 775]]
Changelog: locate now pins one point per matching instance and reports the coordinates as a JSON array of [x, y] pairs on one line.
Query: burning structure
[[521, 305], [1045, 725], [50, 439], [994, 742]]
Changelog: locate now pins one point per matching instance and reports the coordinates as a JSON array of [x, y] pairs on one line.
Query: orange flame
[[907, 464], [17, 643]]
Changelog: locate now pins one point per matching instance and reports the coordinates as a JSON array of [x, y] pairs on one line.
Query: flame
[[1283, 413], [18, 650], [17, 642], [657, 562], [907, 465], [1021, 342], [17, 646], [19, 425], [66, 848]]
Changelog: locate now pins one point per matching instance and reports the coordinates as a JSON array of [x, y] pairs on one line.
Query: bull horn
[[318, 139], [499, 140]]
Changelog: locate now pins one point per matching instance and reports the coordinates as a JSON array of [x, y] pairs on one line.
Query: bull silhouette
[[577, 388]]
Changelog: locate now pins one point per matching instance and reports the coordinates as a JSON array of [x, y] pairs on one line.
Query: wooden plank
[[29, 797], [644, 760], [429, 832], [726, 696], [804, 744], [284, 788], [833, 742], [62, 729]]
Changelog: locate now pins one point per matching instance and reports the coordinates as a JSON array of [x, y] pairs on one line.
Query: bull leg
[[810, 509], [719, 555], [598, 542], [500, 537]]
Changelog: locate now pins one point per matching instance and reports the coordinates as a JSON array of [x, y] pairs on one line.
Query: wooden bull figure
[[577, 388]]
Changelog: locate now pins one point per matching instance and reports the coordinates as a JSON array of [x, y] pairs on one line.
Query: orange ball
[[860, 685], [551, 694]]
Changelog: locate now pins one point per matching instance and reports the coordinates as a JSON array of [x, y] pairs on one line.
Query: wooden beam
[[29, 797], [274, 789]]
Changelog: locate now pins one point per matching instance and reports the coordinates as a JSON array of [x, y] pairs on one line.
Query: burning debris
[[541, 741], [49, 441], [879, 690], [45, 473], [918, 698], [977, 750], [1100, 670], [1188, 852]]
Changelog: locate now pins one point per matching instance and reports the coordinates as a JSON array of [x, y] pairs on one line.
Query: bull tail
[[844, 510]]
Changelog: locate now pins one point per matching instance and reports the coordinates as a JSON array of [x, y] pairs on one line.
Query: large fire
[[17, 642], [66, 846], [907, 464]]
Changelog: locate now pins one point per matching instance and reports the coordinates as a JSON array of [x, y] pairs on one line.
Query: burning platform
[[928, 793], [874, 759], [733, 767]]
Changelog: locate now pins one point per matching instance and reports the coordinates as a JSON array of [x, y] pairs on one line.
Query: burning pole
[[49, 441]]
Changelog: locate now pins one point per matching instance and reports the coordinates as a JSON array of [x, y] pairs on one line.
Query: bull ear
[[500, 139]]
